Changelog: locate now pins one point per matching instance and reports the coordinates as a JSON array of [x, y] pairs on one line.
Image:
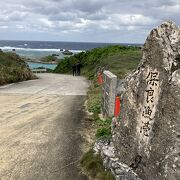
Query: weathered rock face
[[148, 138]]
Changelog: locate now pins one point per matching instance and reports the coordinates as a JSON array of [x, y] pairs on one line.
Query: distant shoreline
[[41, 62], [58, 45]]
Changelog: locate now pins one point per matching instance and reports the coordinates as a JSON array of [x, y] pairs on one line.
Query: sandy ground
[[40, 124]]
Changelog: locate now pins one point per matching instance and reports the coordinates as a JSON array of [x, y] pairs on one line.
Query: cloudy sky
[[123, 21]]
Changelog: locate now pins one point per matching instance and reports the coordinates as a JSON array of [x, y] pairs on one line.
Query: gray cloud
[[80, 18]]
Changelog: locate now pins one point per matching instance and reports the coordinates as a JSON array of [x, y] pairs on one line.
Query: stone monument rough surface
[[148, 139]]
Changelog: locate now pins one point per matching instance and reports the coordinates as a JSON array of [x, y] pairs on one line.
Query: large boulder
[[148, 138]]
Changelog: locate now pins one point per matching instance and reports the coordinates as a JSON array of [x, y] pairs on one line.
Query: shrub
[[104, 132], [13, 69], [94, 166]]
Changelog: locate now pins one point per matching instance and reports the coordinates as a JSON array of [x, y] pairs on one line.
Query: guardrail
[[39, 70]]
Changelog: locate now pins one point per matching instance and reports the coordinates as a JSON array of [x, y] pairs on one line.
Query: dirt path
[[40, 122]]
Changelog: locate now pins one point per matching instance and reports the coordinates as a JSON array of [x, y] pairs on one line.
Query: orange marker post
[[117, 107], [100, 79]]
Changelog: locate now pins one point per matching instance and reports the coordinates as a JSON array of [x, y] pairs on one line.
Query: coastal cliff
[[13, 69]]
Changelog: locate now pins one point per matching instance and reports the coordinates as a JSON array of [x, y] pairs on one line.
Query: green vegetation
[[13, 69], [118, 59], [104, 129], [94, 99], [50, 58], [92, 164], [104, 132]]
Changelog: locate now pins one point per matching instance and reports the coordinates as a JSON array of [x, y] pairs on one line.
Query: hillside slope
[[13, 69], [118, 59]]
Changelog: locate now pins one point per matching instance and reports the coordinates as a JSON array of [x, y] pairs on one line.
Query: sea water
[[33, 65]]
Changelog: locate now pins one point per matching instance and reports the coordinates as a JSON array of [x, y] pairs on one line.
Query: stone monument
[[148, 139]]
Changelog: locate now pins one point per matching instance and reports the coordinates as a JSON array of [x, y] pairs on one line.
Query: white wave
[[9, 48], [27, 49], [76, 51]]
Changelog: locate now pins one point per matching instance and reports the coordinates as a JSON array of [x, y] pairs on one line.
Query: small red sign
[[117, 107]]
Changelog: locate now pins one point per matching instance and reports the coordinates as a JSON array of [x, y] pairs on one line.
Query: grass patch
[[94, 99], [94, 106], [93, 165], [103, 133], [104, 129]]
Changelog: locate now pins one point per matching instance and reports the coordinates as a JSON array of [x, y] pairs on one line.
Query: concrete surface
[[40, 122]]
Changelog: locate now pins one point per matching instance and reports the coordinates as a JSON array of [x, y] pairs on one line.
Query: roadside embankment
[[13, 69], [118, 59]]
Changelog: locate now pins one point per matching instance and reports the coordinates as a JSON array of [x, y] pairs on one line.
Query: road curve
[[40, 122]]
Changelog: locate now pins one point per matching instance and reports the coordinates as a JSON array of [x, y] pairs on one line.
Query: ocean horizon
[[56, 45], [34, 50]]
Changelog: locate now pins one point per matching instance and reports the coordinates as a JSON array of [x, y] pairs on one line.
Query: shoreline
[[41, 62]]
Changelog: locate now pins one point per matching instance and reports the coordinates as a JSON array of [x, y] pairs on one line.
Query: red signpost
[[100, 79], [117, 107]]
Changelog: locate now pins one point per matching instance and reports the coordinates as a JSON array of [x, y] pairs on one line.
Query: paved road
[[39, 128]]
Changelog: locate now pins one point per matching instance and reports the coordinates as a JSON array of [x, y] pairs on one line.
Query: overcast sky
[[122, 21]]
